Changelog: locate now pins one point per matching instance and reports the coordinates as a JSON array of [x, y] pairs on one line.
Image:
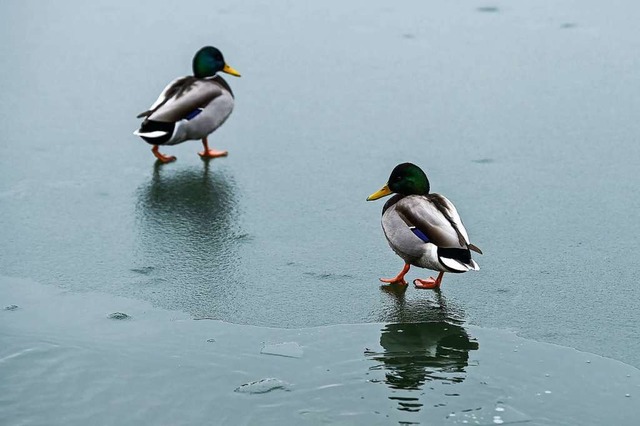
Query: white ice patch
[[263, 386], [286, 349]]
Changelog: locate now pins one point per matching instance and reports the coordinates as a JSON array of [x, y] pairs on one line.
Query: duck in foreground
[[191, 107], [424, 229]]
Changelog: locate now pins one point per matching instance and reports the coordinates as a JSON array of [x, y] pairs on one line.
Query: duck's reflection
[[414, 353], [424, 307], [189, 238]]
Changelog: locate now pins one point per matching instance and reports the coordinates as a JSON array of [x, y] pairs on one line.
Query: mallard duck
[[191, 107], [424, 229]]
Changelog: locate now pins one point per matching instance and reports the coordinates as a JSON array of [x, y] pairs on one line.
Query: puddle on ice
[[54, 368]]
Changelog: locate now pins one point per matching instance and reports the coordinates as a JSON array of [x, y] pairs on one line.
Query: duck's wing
[[162, 98], [434, 219], [181, 99], [400, 234], [429, 222], [451, 213], [449, 210]]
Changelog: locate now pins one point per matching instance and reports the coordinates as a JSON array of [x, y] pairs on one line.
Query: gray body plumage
[[183, 97], [437, 219]]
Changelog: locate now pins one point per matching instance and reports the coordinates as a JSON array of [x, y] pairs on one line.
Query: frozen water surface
[[524, 113]]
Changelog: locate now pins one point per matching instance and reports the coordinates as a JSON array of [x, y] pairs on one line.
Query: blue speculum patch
[[420, 234], [193, 113]]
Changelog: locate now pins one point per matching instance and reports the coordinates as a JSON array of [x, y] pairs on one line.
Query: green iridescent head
[[405, 179], [208, 61]]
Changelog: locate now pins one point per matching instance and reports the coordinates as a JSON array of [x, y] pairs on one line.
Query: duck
[[423, 228], [191, 107]]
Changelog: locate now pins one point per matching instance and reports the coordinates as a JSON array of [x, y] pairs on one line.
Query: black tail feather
[[461, 255]]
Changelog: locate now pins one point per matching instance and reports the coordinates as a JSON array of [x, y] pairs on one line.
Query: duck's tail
[[457, 259], [155, 132]]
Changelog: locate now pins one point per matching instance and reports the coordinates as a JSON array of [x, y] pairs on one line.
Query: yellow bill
[[230, 70], [383, 192]]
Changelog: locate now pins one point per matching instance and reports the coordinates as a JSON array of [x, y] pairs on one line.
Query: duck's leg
[[399, 279], [429, 284], [161, 157], [211, 153]]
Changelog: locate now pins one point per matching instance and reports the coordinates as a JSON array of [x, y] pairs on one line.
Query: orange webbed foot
[[430, 283], [395, 280], [161, 157], [399, 279], [212, 153]]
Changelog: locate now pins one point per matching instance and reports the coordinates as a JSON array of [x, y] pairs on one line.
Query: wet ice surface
[[62, 361]]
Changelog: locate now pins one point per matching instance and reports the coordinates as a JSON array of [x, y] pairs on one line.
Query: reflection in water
[[189, 238], [415, 353], [418, 352]]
